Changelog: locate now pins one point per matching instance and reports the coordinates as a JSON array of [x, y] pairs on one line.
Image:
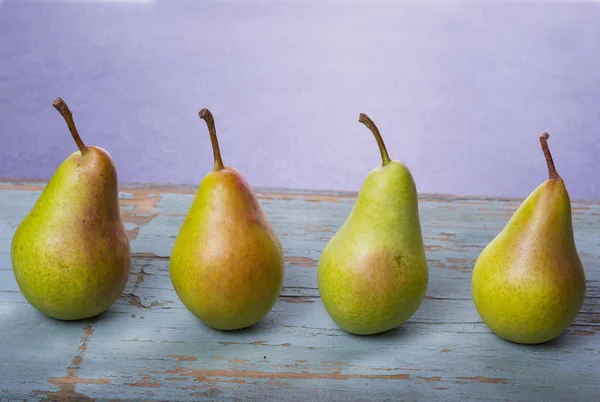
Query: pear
[[373, 273], [70, 254], [528, 283], [227, 262]]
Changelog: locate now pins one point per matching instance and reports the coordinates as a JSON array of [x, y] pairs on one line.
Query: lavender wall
[[460, 90]]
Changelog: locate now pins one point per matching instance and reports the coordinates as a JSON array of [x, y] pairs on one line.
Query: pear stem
[[366, 120], [60, 105], [552, 173], [207, 116]]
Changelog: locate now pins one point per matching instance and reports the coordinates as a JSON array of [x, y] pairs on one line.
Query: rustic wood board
[[148, 346]]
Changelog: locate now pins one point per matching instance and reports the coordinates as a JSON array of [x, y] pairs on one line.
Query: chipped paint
[[145, 383], [20, 185], [429, 378], [458, 260], [207, 375], [432, 248], [66, 385], [139, 209], [136, 301], [584, 333], [133, 233], [140, 276], [298, 299], [484, 380], [304, 197], [318, 229], [301, 261], [184, 358]]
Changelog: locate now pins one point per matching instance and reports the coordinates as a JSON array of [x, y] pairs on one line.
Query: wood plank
[[139, 352], [148, 346]]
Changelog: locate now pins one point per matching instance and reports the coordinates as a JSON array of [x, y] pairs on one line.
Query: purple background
[[460, 90]]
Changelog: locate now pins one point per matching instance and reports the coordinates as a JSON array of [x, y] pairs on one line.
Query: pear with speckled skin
[[528, 284], [373, 273], [70, 254], [227, 262]]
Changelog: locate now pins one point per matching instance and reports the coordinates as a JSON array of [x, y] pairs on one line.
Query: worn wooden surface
[[148, 346]]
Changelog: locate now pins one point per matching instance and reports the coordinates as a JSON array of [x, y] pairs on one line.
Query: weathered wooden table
[[148, 346]]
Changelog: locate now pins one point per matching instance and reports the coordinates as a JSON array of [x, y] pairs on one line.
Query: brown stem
[[60, 105], [364, 119], [552, 173], [207, 116]]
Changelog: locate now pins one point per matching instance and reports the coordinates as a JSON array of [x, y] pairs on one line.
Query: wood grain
[[148, 346]]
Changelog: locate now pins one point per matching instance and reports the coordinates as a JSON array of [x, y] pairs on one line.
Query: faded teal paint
[[443, 352]]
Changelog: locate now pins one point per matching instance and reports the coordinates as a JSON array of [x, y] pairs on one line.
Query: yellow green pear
[[373, 273], [70, 254], [227, 262], [528, 284]]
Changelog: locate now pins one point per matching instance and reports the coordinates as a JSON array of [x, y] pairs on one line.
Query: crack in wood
[[66, 385]]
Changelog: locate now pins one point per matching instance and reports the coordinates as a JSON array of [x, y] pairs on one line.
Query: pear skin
[[373, 273], [528, 284], [71, 255], [227, 261]]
